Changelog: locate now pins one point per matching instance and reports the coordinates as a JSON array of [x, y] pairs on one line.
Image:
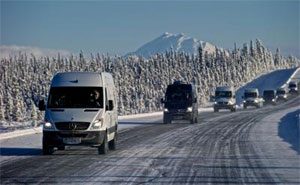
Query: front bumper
[[88, 138], [269, 102], [224, 106], [282, 98], [247, 103], [178, 115]]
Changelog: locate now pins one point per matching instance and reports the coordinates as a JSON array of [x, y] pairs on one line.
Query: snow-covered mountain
[[179, 42]]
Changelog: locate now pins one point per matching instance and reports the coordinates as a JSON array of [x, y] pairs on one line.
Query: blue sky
[[118, 27]]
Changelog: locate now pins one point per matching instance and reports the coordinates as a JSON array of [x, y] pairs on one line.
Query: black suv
[[180, 103]]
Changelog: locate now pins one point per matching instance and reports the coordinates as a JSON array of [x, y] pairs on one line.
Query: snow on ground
[[271, 131], [271, 81], [289, 129]]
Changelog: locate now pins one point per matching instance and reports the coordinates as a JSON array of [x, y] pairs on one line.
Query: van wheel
[[192, 121], [112, 145], [47, 149], [196, 120], [166, 120], [233, 110], [103, 148], [216, 110], [245, 106]]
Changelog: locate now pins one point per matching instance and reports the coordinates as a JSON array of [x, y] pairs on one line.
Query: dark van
[[270, 97], [180, 103]]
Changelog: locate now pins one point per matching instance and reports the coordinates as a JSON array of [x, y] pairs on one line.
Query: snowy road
[[223, 148]]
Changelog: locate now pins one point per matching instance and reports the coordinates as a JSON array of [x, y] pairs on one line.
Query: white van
[[81, 110], [251, 98], [224, 99]]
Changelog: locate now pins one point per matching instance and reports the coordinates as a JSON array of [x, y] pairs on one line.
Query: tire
[[47, 149], [245, 106], [112, 145], [216, 110], [192, 121], [196, 120], [103, 148], [167, 120], [233, 109]]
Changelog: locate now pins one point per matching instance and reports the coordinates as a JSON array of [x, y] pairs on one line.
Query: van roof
[[225, 88], [293, 82], [281, 89], [249, 90], [80, 79], [266, 90]]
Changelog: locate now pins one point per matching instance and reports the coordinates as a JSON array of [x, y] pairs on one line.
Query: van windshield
[[250, 95], [223, 94], [75, 97], [280, 92], [269, 93], [181, 92]]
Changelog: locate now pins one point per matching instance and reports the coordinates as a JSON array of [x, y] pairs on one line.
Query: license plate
[[178, 117], [72, 140]]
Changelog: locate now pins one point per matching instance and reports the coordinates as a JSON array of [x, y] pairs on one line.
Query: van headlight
[[48, 125], [273, 99], [166, 110], [189, 109], [97, 124], [216, 103]]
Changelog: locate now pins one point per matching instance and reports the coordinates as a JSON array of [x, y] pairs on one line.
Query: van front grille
[[72, 125]]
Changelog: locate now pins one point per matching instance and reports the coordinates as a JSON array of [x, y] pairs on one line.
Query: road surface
[[223, 148]]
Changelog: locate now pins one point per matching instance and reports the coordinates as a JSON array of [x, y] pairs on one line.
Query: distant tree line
[[140, 83]]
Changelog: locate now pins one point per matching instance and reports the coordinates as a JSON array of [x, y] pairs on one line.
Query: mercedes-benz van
[[293, 87], [224, 99], [251, 98], [282, 94], [180, 103], [270, 97], [80, 110]]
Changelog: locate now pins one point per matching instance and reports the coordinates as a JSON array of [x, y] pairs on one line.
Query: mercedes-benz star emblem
[[72, 126]]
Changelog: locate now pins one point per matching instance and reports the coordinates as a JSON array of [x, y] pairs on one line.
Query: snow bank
[[288, 129]]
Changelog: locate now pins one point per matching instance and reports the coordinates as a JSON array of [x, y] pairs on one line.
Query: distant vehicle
[[224, 99], [251, 98], [293, 87], [180, 103], [281, 94], [81, 110], [270, 97]]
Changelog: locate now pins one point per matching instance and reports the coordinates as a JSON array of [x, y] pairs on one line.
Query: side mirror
[[195, 100], [42, 106], [110, 105], [162, 100]]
